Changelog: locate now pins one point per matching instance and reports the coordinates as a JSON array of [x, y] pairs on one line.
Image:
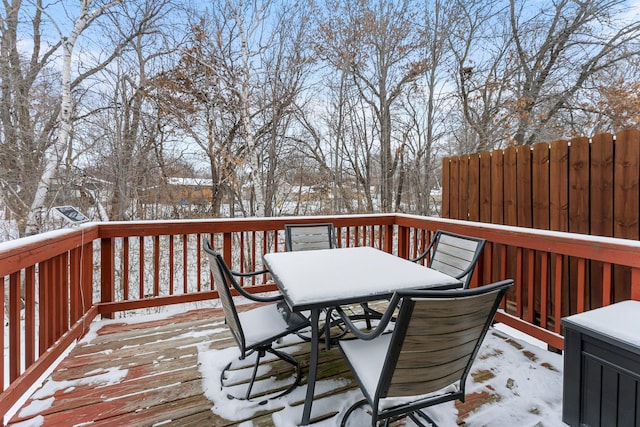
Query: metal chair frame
[[224, 279], [428, 355]]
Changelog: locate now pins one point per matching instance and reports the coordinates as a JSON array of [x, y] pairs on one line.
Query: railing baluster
[[531, 287], [141, 284], [557, 292], [107, 263], [2, 343], [75, 301], [544, 288], [171, 264], [43, 339], [199, 262], [502, 262], [185, 276], [64, 293], [581, 284], [87, 278], [635, 284], [156, 266], [606, 283], [252, 260], [125, 269], [14, 326], [243, 260], [519, 282], [29, 315], [488, 262]]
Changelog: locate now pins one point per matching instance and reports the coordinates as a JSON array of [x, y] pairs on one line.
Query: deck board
[[160, 380]]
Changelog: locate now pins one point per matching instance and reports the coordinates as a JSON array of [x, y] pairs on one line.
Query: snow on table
[[308, 277]]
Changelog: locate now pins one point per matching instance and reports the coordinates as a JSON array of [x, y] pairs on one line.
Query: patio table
[[318, 279]]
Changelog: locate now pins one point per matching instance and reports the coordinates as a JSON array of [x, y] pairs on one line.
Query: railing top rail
[[222, 225], [600, 248], [20, 253]]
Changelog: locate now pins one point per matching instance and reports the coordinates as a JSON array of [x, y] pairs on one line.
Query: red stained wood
[[510, 187], [474, 198], [484, 183], [497, 191], [156, 266], [171, 264], [14, 326], [2, 344], [125, 268], [523, 186], [626, 188], [454, 188], [29, 316], [445, 209], [463, 189], [579, 186]]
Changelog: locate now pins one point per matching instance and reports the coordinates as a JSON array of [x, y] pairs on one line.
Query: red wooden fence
[[588, 186]]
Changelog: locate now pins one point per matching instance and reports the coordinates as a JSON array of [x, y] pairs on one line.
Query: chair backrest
[[456, 255], [221, 278], [436, 338], [304, 237]]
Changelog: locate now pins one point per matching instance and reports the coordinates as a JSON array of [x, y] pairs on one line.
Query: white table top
[[338, 276]]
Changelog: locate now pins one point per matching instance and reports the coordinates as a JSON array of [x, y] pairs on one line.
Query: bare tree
[[29, 108], [557, 50], [43, 116], [482, 72], [378, 43], [89, 12]]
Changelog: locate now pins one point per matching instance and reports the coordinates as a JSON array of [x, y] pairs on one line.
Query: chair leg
[[415, 419], [293, 361], [350, 410], [328, 324], [255, 371], [261, 353]]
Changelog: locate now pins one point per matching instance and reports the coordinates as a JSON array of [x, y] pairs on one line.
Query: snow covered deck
[[153, 370]]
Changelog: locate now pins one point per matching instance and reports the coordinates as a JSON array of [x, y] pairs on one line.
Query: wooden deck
[[141, 374]]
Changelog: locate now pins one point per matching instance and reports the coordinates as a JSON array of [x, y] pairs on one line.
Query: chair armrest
[[379, 329], [248, 295], [250, 273], [423, 254]]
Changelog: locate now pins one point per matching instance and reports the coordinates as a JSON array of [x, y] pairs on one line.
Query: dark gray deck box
[[602, 366]]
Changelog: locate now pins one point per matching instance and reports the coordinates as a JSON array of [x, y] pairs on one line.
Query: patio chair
[[453, 254], [426, 359], [257, 329], [306, 237]]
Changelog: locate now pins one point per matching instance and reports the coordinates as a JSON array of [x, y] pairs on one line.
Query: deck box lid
[[619, 322]]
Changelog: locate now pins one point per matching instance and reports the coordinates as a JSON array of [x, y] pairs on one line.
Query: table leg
[[313, 366]]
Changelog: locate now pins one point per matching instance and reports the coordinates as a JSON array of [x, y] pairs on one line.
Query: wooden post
[[14, 326], [403, 242], [107, 264]]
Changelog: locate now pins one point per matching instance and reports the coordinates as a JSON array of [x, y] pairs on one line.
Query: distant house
[[189, 191]]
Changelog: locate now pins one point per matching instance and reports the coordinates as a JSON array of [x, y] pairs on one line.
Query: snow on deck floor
[[166, 370]]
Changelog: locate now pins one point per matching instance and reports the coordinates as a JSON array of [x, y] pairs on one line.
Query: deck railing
[[55, 284]]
